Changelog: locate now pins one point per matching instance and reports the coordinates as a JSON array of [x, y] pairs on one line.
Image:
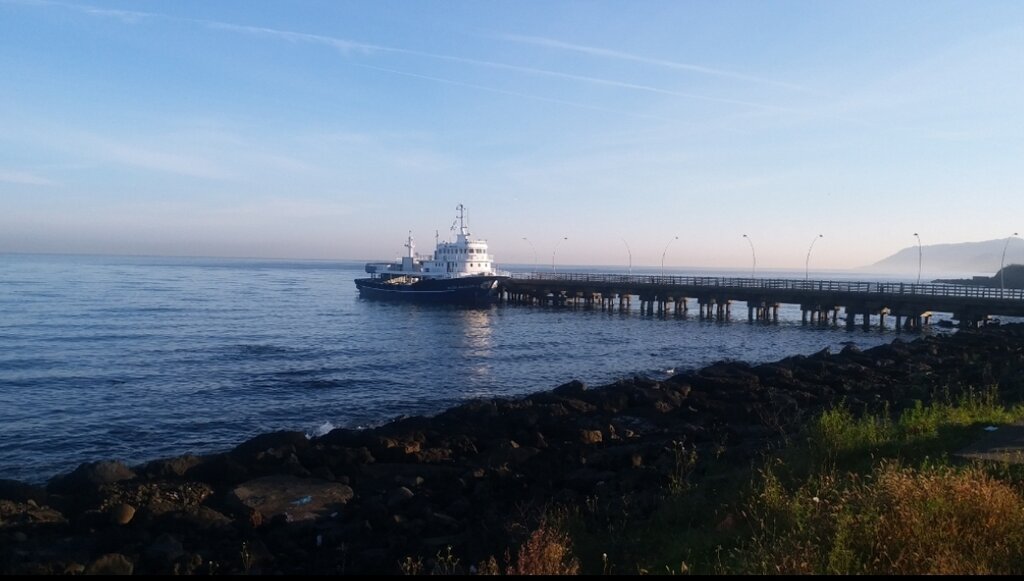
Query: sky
[[598, 131]]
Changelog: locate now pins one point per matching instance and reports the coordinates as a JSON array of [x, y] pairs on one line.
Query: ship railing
[[770, 284]]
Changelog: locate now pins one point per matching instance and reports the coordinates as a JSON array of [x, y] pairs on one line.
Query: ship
[[459, 271]]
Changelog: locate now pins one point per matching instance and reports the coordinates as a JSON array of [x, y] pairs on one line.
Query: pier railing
[[778, 284]]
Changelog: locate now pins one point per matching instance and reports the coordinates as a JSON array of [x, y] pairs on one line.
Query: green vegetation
[[863, 495]]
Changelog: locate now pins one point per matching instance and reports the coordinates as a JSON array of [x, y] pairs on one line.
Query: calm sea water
[[140, 358]]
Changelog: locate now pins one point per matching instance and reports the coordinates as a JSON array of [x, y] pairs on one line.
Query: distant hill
[[963, 257], [1012, 277]]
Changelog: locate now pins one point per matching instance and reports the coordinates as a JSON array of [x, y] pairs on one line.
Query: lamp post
[[807, 263], [1002, 262], [556, 250], [920, 254], [663, 254], [534, 252], [753, 255], [630, 255]]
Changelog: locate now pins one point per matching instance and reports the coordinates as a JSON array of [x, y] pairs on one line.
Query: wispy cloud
[[341, 44], [614, 54], [349, 47], [24, 178], [129, 16], [511, 93]]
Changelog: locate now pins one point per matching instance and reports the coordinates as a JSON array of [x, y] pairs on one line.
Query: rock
[[90, 476], [121, 513], [111, 564], [409, 481], [279, 444], [294, 499], [591, 436], [21, 492], [219, 469], [398, 496], [574, 388], [165, 549], [202, 518], [28, 513], [170, 468]]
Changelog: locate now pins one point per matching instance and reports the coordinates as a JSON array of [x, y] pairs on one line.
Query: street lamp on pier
[[753, 267], [630, 255], [663, 254], [556, 250], [1002, 262], [920, 255], [807, 263]]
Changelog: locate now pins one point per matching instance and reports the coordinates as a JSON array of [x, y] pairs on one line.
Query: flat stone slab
[[1006, 444], [297, 499]]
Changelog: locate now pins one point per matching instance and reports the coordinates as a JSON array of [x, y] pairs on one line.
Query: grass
[[871, 494]]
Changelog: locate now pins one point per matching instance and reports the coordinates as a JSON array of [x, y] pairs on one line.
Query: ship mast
[[411, 246], [463, 229]]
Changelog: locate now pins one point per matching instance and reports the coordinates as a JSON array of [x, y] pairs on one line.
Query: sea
[[139, 358]]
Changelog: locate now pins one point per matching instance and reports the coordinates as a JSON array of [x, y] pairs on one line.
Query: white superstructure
[[461, 258]]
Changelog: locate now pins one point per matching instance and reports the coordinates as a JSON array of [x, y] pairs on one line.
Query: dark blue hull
[[470, 289]]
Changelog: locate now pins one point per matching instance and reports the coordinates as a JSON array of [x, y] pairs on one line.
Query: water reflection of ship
[[478, 335]]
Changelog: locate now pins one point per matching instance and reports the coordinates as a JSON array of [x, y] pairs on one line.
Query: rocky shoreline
[[475, 478]]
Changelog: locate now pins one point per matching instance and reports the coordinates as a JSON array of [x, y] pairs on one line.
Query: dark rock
[[121, 513], [111, 564], [20, 492], [165, 549], [275, 443], [409, 481], [398, 496], [90, 476], [294, 499], [220, 469], [169, 468], [201, 518], [574, 388]]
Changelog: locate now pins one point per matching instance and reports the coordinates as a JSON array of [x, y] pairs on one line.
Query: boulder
[[111, 564], [121, 513], [90, 477], [294, 499], [20, 492]]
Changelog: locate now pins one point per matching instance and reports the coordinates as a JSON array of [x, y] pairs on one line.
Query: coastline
[[473, 477]]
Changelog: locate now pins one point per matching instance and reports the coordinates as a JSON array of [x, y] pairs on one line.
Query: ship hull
[[469, 289]]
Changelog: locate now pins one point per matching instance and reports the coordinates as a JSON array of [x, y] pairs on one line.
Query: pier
[[910, 306]]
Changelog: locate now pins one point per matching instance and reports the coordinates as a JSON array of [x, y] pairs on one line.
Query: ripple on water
[[110, 357]]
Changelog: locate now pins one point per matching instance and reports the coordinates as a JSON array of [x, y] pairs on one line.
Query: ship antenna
[[410, 246], [462, 221]]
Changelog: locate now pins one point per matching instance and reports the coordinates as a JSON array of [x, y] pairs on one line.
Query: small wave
[[321, 430]]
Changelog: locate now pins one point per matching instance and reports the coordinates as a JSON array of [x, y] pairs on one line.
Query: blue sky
[[329, 129]]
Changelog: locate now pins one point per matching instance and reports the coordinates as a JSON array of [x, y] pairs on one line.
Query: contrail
[[511, 93], [603, 52], [347, 47]]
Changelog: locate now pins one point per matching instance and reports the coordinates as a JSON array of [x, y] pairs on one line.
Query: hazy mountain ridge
[[1010, 277], [962, 257]]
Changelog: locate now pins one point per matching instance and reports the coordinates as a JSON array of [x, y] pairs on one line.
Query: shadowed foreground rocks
[[474, 478]]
